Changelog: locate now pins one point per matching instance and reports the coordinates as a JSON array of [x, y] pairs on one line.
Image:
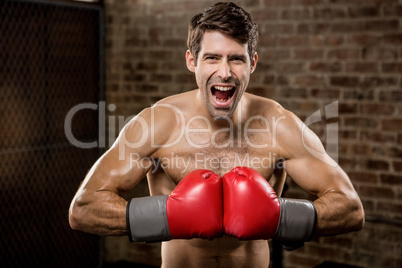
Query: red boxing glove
[[251, 207], [194, 208], [253, 211]]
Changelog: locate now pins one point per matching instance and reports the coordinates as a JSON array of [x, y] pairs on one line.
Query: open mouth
[[222, 95]]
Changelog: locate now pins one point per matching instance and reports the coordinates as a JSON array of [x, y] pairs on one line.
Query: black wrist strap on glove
[[147, 220], [296, 222]]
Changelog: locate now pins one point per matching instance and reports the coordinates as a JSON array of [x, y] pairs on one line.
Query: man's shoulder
[[178, 100], [265, 106], [171, 107]]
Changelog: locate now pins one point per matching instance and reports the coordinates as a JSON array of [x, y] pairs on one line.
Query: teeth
[[223, 88]]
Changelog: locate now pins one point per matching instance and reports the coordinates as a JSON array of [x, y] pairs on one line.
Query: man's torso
[[249, 142]]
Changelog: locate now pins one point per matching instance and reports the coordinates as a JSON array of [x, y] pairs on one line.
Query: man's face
[[222, 72]]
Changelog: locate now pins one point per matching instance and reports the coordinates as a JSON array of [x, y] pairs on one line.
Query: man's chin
[[221, 114]]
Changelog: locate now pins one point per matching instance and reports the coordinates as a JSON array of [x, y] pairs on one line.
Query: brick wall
[[311, 53]]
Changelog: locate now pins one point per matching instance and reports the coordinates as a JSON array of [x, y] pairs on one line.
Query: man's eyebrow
[[208, 54], [241, 56], [231, 56]]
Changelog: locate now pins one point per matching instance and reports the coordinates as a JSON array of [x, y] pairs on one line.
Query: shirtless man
[[219, 215]]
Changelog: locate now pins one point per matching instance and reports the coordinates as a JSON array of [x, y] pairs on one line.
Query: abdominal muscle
[[220, 252]]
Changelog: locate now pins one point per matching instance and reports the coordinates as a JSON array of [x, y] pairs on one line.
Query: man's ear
[[254, 62], [190, 61]]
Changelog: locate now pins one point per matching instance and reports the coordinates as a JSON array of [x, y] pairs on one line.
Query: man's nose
[[224, 71]]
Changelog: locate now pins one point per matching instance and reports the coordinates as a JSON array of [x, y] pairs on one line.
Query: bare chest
[[183, 159]]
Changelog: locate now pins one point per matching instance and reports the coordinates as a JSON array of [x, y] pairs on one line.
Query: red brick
[[279, 28], [392, 67], [267, 91], [134, 77], [304, 28], [323, 40], [276, 3], [377, 109], [295, 14], [389, 207], [397, 166], [379, 53], [344, 81], [388, 151], [346, 2], [361, 149], [269, 79], [314, 28], [393, 39], [267, 41], [363, 11], [309, 54], [348, 27], [293, 41], [276, 54], [359, 94], [363, 177], [146, 88], [329, 13], [365, 39], [306, 2], [157, 32], [161, 8], [391, 179], [360, 122], [147, 66], [159, 54], [172, 66], [265, 15], [161, 78], [343, 54], [362, 67], [392, 10], [326, 66], [377, 137], [377, 164], [171, 42], [309, 80], [376, 192], [381, 1], [294, 92], [348, 108], [347, 162], [347, 134], [392, 124], [289, 67], [282, 80], [382, 25], [185, 78], [391, 96], [325, 93], [368, 205]]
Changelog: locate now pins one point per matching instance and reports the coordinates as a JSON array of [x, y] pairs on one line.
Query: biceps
[[317, 177], [117, 174]]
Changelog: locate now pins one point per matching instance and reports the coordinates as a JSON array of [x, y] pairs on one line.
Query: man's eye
[[238, 59]]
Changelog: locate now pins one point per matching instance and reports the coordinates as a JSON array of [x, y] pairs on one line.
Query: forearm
[[338, 213], [101, 213]]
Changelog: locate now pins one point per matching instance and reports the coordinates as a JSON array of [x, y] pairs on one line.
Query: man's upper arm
[[130, 157], [307, 162]]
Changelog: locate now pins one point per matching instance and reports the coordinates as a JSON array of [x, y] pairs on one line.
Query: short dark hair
[[227, 18]]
